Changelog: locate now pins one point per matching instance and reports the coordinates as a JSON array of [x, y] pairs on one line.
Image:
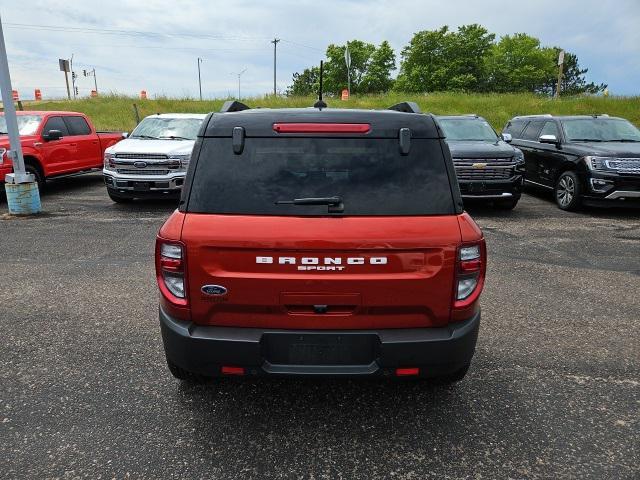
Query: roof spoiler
[[406, 107], [233, 106]]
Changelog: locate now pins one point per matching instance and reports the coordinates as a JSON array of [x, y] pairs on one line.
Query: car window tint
[[55, 123], [531, 131], [370, 175], [514, 127], [550, 128], [77, 125]]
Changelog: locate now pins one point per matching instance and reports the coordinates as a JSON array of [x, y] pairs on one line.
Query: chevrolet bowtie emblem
[[479, 165]]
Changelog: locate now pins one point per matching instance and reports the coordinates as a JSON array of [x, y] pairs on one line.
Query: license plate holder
[[141, 186], [320, 349]]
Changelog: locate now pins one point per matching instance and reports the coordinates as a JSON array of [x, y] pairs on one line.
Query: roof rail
[[545, 115], [233, 106], [596, 115], [406, 107]]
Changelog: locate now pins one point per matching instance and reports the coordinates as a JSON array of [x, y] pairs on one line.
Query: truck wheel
[[183, 375], [508, 203], [118, 198], [452, 377], [35, 171], [567, 191]]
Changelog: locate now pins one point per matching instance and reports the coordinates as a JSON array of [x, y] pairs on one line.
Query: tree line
[[469, 59]]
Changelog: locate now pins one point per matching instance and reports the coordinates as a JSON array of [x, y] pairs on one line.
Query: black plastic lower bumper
[[204, 350], [491, 189]]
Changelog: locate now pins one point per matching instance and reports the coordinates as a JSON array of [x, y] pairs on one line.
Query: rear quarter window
[[77, 125], [370, 175]]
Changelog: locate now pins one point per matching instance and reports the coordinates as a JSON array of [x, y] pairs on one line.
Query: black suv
[[486, 165], [584, 159]]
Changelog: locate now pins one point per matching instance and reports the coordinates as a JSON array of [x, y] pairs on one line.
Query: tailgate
[[319, 272]]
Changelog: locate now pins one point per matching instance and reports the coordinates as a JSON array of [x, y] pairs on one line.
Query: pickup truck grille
[[484, 168], [142, 171], [141, 156]]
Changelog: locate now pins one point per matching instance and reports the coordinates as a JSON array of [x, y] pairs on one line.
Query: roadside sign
[[64, 65], [561, 57], [347, 57], [345, 94]]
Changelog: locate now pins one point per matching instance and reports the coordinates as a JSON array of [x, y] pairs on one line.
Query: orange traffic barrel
[[16, 97], [37, 94]]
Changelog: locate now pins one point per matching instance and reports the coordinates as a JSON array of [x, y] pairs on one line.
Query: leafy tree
[[517, 63], [437, 60], [377, 78], [305, 83], [370, 70]]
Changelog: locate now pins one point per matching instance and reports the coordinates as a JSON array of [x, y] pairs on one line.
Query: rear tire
[[508, 203], [567, 191], [454, 377], [119, 198]]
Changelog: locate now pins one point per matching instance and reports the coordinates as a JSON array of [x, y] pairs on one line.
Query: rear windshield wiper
[[334, 203]]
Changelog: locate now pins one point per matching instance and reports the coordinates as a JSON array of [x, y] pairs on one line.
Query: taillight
[[470, 272], [170, 271]]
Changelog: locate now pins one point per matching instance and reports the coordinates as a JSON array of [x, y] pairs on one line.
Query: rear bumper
[[204, 350]]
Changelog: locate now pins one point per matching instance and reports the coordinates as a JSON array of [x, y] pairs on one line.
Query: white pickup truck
[[152, 162]]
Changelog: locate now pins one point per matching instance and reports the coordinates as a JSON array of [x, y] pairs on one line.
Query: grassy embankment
[[116, 112]]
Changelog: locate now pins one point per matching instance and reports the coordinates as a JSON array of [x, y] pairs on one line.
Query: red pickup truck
[[56, 144]]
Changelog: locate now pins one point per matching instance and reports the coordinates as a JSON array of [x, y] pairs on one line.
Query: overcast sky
[[231, 35]]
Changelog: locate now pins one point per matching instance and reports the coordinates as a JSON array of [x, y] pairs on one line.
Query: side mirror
[[507, 137], [125, 134], [52, 135], [552, 139]]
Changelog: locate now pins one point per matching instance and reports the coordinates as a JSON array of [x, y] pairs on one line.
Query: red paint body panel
[[412, 289], [70, 154]]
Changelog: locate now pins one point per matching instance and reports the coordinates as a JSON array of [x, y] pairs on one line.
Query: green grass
[[116, 112]]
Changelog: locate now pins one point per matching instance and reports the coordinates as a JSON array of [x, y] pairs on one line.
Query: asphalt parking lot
[[554, 390]]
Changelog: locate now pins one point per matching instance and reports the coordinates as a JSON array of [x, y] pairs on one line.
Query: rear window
[[369, 175]]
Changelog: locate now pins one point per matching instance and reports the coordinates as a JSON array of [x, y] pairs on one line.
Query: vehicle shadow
[[615, 210]]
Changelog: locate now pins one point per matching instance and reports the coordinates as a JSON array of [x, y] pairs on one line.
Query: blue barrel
[[23, 198]]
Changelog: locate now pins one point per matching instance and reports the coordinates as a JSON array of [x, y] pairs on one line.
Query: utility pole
[[239, 74], [22, 190], [199, 79], [275, 47], [347, 61], [560, 67]]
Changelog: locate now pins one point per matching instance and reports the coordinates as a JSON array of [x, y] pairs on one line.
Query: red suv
[[320, 242]]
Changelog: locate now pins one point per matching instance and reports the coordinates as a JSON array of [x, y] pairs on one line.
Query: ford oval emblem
[[140, 164], [215, 290]]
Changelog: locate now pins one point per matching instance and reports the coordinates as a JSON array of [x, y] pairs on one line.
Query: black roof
[[259, 122]]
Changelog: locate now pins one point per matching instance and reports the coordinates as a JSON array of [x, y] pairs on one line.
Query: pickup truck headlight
[[109, 161], [184, 160]]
